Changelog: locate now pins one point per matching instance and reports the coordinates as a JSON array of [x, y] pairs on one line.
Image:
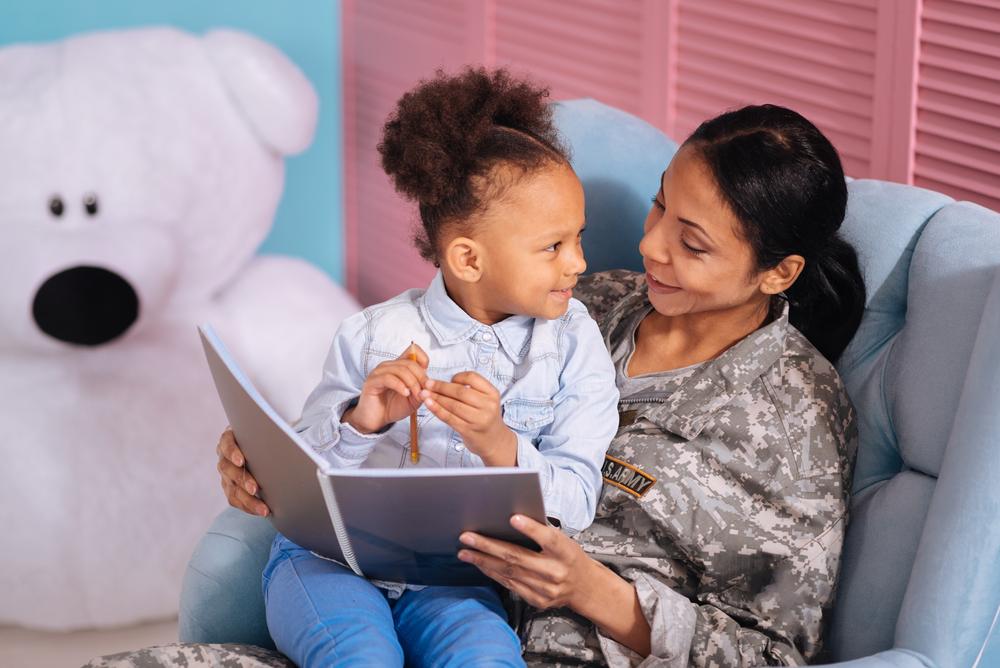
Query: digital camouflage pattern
[[734, 546], [184, 655]]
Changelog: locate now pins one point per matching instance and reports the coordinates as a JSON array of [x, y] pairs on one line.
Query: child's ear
[[780, 277], [464, 258]]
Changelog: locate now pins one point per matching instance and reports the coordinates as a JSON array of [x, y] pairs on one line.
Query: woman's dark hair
[[445, 137], [783, 179]]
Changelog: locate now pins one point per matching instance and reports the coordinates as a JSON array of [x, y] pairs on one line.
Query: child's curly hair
[[446, 136]]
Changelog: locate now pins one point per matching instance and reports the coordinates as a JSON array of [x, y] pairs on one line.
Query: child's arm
[[569, 454], [570, 451], [350, 408]]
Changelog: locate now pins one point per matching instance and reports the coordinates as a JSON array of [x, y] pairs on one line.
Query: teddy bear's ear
[[26, 69], [273, 95]]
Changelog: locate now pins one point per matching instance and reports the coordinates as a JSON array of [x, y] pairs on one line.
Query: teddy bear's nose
[[85, 305]]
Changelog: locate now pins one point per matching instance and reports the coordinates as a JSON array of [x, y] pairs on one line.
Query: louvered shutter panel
[[579, 49], [815, 57], [389, 45], [851, 66], [957, 145]]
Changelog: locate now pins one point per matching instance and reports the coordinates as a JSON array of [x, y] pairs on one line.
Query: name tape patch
[[625, 476]]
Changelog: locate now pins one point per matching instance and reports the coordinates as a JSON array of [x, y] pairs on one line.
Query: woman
[[718, 534]]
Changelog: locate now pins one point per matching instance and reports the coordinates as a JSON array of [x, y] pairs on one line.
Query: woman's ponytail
[[828, 298]]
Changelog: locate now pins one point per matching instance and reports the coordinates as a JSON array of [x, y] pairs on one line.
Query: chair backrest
[[619, 159], [921, 563], [920, 568]]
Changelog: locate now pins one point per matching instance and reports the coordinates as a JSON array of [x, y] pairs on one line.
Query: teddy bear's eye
[[90, 204], [56, 205]]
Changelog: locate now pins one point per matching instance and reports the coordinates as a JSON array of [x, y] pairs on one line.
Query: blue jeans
[[320, 613]]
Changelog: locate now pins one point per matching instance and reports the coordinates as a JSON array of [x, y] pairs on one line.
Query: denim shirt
[[555, 377]]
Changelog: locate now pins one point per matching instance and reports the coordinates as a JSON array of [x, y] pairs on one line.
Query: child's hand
[[470, 405], [390, 393]]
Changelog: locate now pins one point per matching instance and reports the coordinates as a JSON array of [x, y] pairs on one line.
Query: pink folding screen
[[957, 143], [908, 91]]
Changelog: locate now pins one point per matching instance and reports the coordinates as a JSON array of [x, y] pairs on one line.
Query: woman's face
[[695, 256]]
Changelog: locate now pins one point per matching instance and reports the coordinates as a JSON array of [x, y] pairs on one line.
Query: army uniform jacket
[[725, 499]]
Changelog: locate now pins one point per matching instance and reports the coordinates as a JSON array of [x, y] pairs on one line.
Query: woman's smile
[[658, 286]]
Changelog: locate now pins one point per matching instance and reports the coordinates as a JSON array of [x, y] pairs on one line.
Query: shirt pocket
[[423, 416], [528, 416]]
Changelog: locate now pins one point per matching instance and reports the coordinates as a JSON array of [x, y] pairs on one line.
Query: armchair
[[920, 576]]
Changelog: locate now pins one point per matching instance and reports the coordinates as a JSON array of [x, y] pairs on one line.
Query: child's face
[[696, 260], [530, 239]]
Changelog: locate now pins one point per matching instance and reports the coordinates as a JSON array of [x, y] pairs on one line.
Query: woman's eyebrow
[[698, 227]]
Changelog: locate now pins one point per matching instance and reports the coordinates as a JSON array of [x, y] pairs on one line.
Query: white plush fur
[[107, 452]]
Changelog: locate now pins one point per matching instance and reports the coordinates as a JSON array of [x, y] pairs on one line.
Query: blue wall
[[309, 222]]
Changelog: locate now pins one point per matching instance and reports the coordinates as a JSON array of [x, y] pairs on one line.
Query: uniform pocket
[[528, 414]]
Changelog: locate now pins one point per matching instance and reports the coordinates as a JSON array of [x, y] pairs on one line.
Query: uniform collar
[[715, 384], [450, 324]]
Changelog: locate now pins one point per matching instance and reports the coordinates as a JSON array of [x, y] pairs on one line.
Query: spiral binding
[[338, 523]]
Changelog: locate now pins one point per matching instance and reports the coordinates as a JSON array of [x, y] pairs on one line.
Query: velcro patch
[[627, 418], [625, 476]]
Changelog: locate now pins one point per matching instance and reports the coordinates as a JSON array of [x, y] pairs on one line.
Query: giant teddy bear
[[139, 172]]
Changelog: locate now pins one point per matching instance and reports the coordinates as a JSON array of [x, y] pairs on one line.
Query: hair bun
[[431, 143]]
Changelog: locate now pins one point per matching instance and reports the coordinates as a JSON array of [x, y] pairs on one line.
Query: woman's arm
[[647, 617], [562, 575], [613, 606]]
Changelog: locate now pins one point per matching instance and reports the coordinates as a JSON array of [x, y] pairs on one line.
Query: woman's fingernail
[[262, 512], [239, 460], [430, 382], [464, 555], [517, 520], [468, 539], [429, 401], [424, 394]]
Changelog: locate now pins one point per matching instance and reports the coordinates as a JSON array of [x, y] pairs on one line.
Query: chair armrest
[[893, 658], [221, 598]]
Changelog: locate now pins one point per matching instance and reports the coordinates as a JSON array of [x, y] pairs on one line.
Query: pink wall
[[908, 91]]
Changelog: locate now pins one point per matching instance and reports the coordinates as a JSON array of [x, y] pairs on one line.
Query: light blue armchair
[[920, 579]]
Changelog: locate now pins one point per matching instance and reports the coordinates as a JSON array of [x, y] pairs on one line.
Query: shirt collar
[[450, 324], [514, 334], [719, 381]]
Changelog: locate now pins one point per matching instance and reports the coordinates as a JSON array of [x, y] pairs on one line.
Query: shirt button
[[484, 360], [459, 447], [487, 336]]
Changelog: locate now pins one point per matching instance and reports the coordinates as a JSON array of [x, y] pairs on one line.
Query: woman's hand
[[561, 575], [558, 576], [470, 405], [390, 393], [237, 483]]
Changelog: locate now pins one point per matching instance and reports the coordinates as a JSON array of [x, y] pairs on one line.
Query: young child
[[509, 370]]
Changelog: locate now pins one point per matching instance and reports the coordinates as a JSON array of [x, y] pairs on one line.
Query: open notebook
[[400, 525]]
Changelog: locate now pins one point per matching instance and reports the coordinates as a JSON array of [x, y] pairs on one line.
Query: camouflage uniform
[[194, 655], [724, 501]]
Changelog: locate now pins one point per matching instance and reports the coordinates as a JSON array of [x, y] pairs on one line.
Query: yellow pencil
[[414, 447]]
